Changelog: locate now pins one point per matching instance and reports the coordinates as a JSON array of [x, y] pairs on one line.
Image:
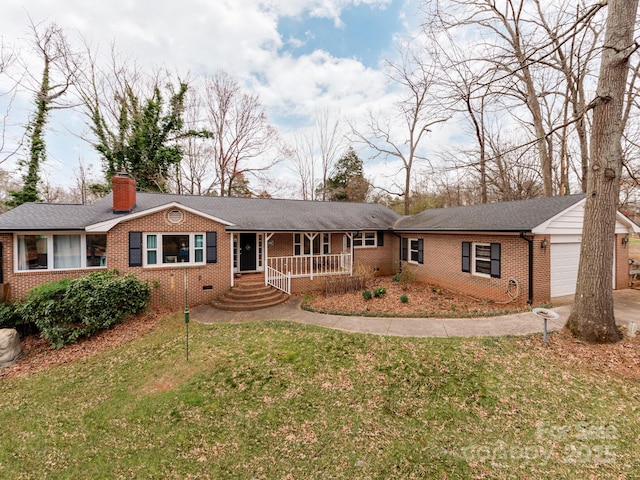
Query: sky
[[299, 56]]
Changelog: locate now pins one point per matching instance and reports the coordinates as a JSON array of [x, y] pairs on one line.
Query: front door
[[247, 252]]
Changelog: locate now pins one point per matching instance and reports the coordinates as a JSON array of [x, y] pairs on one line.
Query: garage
[[564, 268], [565, 256]]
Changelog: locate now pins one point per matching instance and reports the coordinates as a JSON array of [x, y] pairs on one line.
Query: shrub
[[437, 290], [367, 294], [9, 316], [67, 310], [380, 291], [404, 298], [405, 276]]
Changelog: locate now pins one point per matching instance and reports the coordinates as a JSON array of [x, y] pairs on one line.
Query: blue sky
[[365, 33], [299, 56]]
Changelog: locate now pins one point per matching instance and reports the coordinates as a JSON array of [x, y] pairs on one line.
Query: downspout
[[530, 286]]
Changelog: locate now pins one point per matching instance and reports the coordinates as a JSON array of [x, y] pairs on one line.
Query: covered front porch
[[283, 256]]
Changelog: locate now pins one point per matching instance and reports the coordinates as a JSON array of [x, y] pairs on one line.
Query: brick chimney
[[124, 193]]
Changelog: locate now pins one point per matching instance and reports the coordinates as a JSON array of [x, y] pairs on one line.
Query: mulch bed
[[423, 300], [40, 355]]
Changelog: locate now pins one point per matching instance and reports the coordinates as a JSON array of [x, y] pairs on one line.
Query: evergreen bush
[[67, 310]]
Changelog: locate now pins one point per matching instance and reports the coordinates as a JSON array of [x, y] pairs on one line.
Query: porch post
[[352, 253], [232, 253], [267, 237]]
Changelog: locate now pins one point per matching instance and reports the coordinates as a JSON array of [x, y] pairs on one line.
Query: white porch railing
[[310, 266], [279, 280]]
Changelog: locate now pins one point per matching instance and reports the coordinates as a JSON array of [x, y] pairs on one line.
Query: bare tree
[[243, 137], [7, 59], [542, 55], [317, 149], [592, 317], [573, 56], [57, 77], [195, 173], [417, 111], [303, 164]]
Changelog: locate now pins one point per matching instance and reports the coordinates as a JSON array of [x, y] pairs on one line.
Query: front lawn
[[278, 400]]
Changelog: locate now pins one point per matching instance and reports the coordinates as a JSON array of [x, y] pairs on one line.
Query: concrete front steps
[[247, 296]]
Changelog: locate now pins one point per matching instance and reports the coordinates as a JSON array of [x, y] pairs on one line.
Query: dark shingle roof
[[259, 214], [522, 215], [48, 216], [242, 213]]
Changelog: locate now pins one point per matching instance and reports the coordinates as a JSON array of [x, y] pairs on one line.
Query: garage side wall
[[443, 267]]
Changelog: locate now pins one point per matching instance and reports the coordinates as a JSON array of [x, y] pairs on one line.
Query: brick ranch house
[[524, 251]]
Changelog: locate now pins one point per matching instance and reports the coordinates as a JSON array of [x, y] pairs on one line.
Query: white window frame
[[475, 259], [366, 239], [160, 254], [51, 251], [325, 240], [410, 250]]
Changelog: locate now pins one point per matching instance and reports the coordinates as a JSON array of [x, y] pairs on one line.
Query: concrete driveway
[[627, 308]]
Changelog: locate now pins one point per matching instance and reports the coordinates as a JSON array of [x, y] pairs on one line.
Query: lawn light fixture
[[543, 244]]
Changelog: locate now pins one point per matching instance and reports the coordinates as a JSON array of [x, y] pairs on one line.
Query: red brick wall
[[622, 263], [443, 267], [167, 281], [380, 259]]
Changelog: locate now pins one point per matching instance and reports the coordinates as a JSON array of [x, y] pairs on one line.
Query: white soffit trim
[[109, 224], [542, 228], [622, 218]]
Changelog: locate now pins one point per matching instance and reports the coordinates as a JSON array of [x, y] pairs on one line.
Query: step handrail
[[277, 279]]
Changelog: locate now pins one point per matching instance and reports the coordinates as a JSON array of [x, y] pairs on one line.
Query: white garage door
[[564, 268]]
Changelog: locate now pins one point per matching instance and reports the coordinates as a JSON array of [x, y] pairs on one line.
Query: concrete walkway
[[627, 308]]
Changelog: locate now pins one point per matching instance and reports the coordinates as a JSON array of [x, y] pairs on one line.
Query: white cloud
[[200, 37]]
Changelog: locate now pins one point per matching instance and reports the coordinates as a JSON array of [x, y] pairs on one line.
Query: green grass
[[280, 400]]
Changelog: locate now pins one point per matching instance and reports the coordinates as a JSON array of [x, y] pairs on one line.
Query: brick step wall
[[250, 296]]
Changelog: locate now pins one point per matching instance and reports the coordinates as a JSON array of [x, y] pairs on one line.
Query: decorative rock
[[10, 347]]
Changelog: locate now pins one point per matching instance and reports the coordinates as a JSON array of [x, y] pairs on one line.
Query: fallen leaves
[[40, 355], [423, 300], [622, 358]]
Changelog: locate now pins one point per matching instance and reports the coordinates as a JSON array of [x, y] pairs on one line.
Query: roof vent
[[175, 216]]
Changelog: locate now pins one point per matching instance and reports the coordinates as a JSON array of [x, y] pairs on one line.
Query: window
[[481, 259], [302, 244], [365, 239], [416, 250], [169, 248], [62, 251]]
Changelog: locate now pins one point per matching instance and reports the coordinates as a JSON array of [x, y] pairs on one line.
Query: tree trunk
[[592, 317]]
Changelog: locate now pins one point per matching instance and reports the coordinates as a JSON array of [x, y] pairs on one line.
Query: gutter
[[530, 281]]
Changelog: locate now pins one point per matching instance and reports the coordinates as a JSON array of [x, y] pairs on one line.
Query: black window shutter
[[495, 260], [212, 247], [466, 256], [135, 249], [421, 250], [348, 241], [380, 238], [405, 249]]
